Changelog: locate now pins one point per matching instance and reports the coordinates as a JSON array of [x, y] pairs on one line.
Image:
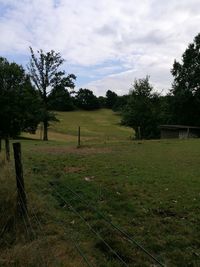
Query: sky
[[107, 44]]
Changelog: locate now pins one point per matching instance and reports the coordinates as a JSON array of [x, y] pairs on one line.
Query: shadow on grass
[[27, 138]]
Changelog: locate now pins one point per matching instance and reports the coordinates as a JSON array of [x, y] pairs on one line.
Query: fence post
[[79, 137], [7, 147], [22, 202]]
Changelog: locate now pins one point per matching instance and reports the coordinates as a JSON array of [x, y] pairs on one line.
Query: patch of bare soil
[[74, 169], [73, 150]]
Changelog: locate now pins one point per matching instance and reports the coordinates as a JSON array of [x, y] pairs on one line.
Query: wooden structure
[[179, 131]]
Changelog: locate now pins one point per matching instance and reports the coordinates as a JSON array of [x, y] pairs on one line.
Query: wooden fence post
[[22, 202], [7, 147], [79, 137]]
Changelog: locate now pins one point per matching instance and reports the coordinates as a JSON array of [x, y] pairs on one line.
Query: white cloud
[[143, 37]]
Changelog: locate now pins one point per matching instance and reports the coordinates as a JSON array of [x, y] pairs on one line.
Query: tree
[[45, 74], [111, 98], [85, 99], [142, 111], [31, 107], [120, 103], [102, 101], [185, 104], [59, 98], [19, 102]]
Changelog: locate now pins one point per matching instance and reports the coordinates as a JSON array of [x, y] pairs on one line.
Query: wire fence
[[31, 233], [117, 228], [91, 228]]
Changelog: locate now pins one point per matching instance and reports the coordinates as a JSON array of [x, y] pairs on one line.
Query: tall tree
[[186, 86], [45, 73], [19, 102], [142, 111]]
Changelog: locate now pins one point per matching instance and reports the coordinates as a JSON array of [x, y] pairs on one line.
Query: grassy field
[[98, 126], [151, 189]]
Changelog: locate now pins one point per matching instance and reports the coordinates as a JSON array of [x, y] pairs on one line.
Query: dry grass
[[72, 150], [74, 169], [34, 240]]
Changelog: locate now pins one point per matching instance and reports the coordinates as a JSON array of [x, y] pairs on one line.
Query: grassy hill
[[100, 125], [149, 188], [103, 123]]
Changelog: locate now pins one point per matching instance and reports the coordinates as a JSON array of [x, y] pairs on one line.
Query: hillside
[[102, 123], [99, 125]]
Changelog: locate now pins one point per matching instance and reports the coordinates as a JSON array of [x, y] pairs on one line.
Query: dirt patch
[[72, 150], [165, 212], [74, 169]]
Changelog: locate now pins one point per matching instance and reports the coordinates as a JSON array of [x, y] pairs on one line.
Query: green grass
[[149, 188], [100, 123], [99, 126]]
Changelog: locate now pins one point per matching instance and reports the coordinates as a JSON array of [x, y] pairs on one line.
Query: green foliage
[[85, 99], [186, 86], [44, 72], [165, 112], [142, 111], [60, 100], [120, 103], [102, 101], [111, 98], [19, 102]]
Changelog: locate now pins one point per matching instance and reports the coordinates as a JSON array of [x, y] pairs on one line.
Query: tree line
[[146, 109], [28, 98]]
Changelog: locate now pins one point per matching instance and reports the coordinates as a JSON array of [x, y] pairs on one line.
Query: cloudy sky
[[106, 43]]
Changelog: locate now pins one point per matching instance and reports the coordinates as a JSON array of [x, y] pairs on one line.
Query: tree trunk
[[45, 131], [7, 147], [0, 145]]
